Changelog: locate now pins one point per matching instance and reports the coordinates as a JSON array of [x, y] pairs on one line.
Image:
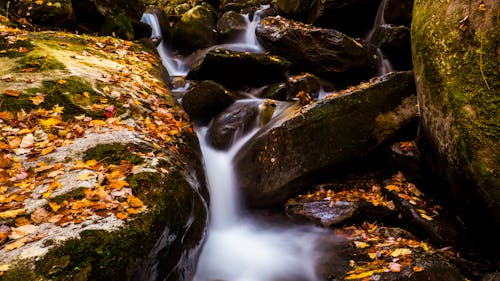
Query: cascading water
[[239, 248], [384, 65]]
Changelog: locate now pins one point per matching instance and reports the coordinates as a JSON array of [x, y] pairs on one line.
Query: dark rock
[[405, 157], [295, 9], [394, 41], [195, 30], [57, 15], [352, 17], [441, 229], [398, 12], [458, 100], [323, 135], [238, 68], [166, 29], [288, 90], [205, 100], [231, 24], [232, 123], [324, 52]]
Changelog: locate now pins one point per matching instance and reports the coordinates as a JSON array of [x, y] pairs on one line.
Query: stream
[[242, 246]]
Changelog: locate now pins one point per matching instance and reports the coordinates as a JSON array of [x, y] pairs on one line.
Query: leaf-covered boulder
[[98, 163], [325, 134], [324, 52], [455, 56]]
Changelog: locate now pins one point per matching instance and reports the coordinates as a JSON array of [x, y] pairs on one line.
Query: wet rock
[[324, 52], [233, 123], [461, 129], [234, 69], [405, 157], [289, 90], [205, 100], [231, 24], [329, 214], [398, 12], [323, 135], [195, 30], [394, 41]]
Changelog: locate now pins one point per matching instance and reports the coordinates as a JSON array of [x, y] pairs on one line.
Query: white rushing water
[[384, 65], [239, 248]]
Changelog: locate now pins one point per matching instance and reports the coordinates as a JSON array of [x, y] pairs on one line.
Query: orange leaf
[[54, 206], [121, 215], [134, 202], [47, 150], [12, 93], [418, 268]]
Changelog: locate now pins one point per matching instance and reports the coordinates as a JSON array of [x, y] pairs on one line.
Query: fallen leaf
[[10, 214], [392, 187], [12, 93], [39, 215], [363, 274], [394, 267], [87, 176], [121, 215], [418, 268], [54, 206], [361, 245], [47, 150], [37, 100], [16, 244], [400, 252], [134, 202]]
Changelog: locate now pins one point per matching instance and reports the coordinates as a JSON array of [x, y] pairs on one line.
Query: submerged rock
[[323, 135]]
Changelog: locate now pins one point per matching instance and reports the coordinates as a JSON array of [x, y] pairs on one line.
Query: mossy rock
[[112, 154], [15, 49], [38, 63], [56, 14], [455, 56], [195, 30]]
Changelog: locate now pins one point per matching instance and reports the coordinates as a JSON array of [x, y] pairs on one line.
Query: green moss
[[37, 63], [78, 193], [16, 48], [112, 153], [75, 96]]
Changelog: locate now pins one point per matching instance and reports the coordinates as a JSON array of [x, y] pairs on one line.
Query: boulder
[[323, 135], [231, 25], [234, 69], [455, 56], [324, 52], [195, 30], [398, 12], [205, 101], [234, 122], [60, 14], [102, 136]]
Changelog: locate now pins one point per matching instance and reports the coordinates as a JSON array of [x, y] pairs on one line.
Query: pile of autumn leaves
[[27, 138]]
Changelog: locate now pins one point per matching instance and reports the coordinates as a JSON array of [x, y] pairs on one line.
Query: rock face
[[324, 134], [104, 206], [324, 52], [455, 55]]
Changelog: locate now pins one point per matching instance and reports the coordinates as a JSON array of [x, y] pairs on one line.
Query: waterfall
[[240, 248], [174, 66], [384, 65]]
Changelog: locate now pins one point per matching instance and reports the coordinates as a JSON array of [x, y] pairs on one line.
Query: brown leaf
[[16, 244], [40, 215]]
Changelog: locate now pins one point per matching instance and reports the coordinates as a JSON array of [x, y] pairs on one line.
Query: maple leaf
[[37, 100]]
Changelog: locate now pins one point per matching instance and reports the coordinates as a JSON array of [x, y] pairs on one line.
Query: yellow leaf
[[10, 214], [47, 193], [372, 255], [58, 109], [37, 100], [97, 123], [400, 252], [137, 102], [62, 82], [424, 246], [392, 187], [363, 274], [50, 122], [426, 217], [39, 2], [47, 150], [87, 176], [361, 245], [86, 94], [54, 206], [12, 93], [134, 202]]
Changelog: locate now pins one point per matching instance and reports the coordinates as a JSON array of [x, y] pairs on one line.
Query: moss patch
[[16, 48], [112, 153], [37, 63], [75, 96], [78, 193]]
